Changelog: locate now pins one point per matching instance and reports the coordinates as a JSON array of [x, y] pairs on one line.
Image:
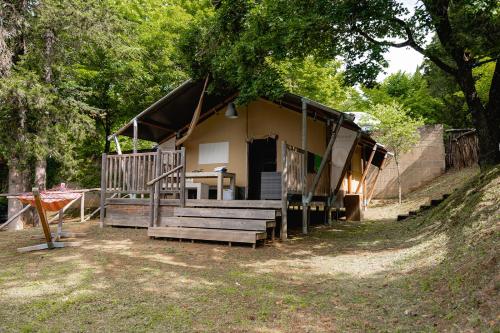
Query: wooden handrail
[[152, 181]]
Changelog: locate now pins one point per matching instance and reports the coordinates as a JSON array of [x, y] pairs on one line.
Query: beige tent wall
[[258, 120]]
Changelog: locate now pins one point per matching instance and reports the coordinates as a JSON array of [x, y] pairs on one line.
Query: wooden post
[[103, 188], [183, 178], [43, 218], [325, 159], [59, 225], [157, 190], [220, 186], [372, 190], [284, 194], [365, 171], [82, 207], [305, 206]]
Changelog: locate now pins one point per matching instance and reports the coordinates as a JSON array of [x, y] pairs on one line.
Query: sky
[[402, 59]]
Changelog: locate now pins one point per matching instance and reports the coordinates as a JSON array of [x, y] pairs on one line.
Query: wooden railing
[[130, 173], [160, 173], [294, 166]]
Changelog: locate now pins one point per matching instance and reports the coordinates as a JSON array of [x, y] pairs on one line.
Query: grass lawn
[[369, 276]]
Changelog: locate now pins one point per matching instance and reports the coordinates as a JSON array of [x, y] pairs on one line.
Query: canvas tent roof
[[173, 112]]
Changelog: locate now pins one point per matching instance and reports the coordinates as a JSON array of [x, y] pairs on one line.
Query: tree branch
[[480, 63], [411, 43]]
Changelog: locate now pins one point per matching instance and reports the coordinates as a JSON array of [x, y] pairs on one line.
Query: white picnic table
[[220, 176]]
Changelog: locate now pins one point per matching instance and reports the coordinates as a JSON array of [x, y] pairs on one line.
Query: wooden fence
[[462, 148]]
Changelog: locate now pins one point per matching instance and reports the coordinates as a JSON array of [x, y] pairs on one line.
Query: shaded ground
[[433, 273]]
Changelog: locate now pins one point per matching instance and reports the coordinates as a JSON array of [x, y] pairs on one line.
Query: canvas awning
[[173, 112]]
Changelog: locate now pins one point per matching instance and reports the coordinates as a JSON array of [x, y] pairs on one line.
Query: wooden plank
[[258, 204], [266, 204], [208, 234], [218, 223], [259, 214], [128, 222]]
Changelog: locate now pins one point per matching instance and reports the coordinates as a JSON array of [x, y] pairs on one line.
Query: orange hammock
[[52, 200]]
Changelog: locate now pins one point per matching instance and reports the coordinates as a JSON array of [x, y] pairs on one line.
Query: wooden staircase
[[433, 203], [238, 225]]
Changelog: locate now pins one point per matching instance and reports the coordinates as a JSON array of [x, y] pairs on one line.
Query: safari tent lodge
[[237, 174]]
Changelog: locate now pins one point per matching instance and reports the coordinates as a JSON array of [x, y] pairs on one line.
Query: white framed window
[[213, 153]]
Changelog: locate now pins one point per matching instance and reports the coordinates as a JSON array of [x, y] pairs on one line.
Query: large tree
[[236, 43]]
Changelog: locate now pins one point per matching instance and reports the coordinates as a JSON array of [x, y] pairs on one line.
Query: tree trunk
[[485, 121], [17, 184], [493, 114], [107, 132], [400, 196], [41, 173]]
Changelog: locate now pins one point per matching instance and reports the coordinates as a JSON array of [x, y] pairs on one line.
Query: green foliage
[[410, 90], [397, 129], [106, 62], [319, 80]]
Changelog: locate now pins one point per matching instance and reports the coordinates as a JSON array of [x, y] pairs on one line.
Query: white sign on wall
[[213, 153]]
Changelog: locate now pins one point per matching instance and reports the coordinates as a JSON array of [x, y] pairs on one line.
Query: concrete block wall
[[418, 167]]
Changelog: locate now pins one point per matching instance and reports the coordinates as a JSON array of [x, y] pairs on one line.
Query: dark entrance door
[[261, 157]]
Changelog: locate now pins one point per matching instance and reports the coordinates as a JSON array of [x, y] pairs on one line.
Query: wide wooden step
[[217, 223], [239, 213], [238, 236]]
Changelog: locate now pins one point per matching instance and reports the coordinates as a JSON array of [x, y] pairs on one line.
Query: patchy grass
[[437, 272], [444, 184]]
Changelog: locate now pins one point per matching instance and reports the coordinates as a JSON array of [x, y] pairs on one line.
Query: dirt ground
[[357, 277]]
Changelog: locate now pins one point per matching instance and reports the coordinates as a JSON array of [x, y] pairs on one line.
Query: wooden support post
[[82, 207], [183, 178], [103, 188], [305, 215], [43, 218], [220, 186], [284, 193], [157, 188], [372, 190], [325, 159], [59, 225], [365, 171]]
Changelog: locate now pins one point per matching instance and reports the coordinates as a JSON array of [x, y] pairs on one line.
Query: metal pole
[[117, 144], [305, 204], [135, 135]]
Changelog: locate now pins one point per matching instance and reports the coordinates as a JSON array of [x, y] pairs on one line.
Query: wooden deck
[[136, 212], [264, 204]]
